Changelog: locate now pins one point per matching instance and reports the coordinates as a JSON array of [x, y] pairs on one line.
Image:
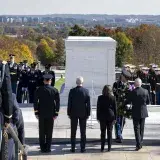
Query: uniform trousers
[[139, 130], [119, 127], [45, 132], [31, 90], [14, 87], [104, 124], [82, 124], [19, 92]]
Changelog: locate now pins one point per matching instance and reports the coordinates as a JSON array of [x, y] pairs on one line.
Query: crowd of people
[[118, 102], [25, 78], [113, 106], [150, 77]]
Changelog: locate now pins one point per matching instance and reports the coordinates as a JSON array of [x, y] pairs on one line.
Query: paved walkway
[[124, 151]]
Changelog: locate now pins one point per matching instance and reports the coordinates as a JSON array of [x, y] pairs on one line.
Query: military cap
[[126, 74], [11, 55], [47, 76], [157, 69], [145, 68], [33, 64], [48, 65], [25, 61]]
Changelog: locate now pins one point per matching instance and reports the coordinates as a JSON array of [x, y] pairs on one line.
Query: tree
[[45, 52], [124, 50], [1, 30], [60, 52], [78, 31], [10, 45]]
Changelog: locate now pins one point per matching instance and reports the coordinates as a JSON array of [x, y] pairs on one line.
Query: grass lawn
[[59, 83]]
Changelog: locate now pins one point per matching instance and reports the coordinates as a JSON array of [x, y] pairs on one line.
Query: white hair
[[138, 82], [79, 81]]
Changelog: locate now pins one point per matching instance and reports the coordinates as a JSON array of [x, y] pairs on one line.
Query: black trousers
[[82, 124], [139, 130], [45, 132], [104, 124], [31, 90]]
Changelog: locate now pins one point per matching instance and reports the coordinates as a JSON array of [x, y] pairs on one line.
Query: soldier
[[6, 97], [121, 90], [49, 71], [46, 107], [152, 81], [23, 80], [144, 75], [13, 72], [33, 81], [139, 71], [157, 71]]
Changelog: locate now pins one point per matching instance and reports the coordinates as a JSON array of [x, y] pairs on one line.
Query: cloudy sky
[[80, 6]]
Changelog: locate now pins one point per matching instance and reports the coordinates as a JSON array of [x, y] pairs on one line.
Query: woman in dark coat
[[106, 115]]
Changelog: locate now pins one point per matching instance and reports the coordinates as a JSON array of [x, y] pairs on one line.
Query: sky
[[30, 7]]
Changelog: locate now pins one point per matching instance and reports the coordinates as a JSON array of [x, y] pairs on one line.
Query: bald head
[[79, 81], [138, 82]]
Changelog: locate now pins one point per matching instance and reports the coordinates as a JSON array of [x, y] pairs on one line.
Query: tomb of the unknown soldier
[[93, 58]]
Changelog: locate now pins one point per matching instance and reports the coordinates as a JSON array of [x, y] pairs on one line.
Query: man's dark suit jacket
[[46, 102], [139, 98], [106, 108], [79, 103]]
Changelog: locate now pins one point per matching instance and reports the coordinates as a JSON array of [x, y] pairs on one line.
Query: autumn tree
[[45, 52], [124, 50], [60, 52], [10, 45], [78, 31]]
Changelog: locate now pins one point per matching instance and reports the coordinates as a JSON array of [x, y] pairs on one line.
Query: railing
[[22, 155]]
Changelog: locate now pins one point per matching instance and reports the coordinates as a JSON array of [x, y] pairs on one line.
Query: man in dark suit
[[139, 98], [46, 107], [78, 110]]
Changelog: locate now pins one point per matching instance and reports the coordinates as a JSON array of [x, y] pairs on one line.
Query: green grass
[[59, 83]]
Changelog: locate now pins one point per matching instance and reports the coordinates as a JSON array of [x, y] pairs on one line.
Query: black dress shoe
[[118, 140], [48, 150], [83, 150], [138, 148], [72, 150]]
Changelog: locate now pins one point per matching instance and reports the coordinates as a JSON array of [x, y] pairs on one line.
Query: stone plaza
[[61, 141]]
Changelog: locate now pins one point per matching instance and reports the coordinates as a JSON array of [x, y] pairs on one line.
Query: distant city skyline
[[43, 7]]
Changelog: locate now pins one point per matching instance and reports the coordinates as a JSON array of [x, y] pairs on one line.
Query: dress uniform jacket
[[47, 101]]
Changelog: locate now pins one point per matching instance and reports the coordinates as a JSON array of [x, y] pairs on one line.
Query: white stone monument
[[90, 57]]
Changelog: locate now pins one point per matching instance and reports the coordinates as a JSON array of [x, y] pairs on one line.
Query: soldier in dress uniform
[[13, 72], [23, 80], [144, 75], [49, 71], [6, 97], [33, 81], [152, 81], [46, 107], [139, 71], [157, 72], [121, 90]]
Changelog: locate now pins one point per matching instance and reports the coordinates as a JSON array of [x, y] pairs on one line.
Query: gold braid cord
[[5, 145]]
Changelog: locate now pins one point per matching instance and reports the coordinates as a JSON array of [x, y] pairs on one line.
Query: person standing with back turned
[[46, 107], [139, 98], [78, 110], [106, 115]]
